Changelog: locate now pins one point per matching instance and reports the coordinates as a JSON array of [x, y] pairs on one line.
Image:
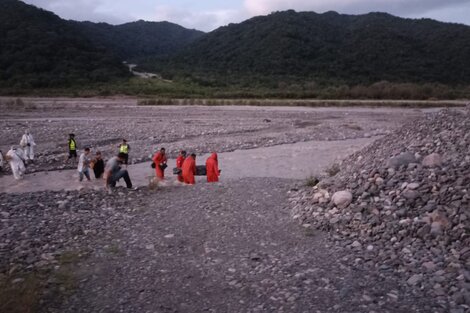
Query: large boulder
[[342, 198], [432, 160], [404, 158]]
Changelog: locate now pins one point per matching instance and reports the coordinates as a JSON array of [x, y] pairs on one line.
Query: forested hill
[[140, 39], [332, 47], [39, 49]]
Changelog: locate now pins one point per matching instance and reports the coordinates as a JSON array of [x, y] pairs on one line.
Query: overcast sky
[[207, 15]]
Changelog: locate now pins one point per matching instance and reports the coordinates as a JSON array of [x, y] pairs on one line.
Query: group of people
[[186, 167], [19, 157], [112, 171]]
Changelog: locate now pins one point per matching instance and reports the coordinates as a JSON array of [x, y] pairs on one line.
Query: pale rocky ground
[[226, 247], [101, 125]]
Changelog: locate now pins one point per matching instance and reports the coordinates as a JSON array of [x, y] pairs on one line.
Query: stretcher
[[200, 170]]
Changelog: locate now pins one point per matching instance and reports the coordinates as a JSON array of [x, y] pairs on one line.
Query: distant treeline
[[308, 90]]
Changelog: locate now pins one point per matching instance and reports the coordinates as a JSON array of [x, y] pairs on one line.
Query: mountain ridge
[[347, 48], [38, 49], [139, 39]]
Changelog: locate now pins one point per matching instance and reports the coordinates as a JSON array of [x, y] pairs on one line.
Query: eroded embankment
[[404, 206]]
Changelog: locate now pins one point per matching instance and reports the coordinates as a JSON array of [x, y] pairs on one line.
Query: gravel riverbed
[[233, 246], [101, 125], [228, 247]]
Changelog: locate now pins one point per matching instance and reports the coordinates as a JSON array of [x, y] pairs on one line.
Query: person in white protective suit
[[1, 162], [27, 143], [15, 158]]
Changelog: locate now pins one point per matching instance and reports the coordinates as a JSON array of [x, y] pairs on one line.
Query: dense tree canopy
[[333, 47], [38, 49], [139, 40], [286, 51]]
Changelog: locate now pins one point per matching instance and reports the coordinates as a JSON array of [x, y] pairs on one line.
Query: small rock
[[356, 244], [412, 186], [410, 194], [436, 228], [150, 247], [430, 266], [342, 198], [415, 279], [432, 160]]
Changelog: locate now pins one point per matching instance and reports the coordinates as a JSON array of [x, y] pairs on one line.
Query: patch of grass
[[113, 249], [20, 294], [309, 232], [66, 280], [333, 170], [70, 257], [65, 277], [311, 181]]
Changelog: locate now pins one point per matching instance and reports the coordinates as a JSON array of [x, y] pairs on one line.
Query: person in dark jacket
[[98, 165]]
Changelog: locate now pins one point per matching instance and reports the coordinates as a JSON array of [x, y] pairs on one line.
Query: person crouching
[[113, 172], [16, 159]]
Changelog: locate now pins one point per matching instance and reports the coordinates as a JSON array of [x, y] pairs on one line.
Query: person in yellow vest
[[72, 147], [125, 148]]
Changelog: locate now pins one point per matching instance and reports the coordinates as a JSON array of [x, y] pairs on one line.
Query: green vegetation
[[285, 55], [333, 169], [311, 181], [114, 249], [40, 50], [71, 257], [20, 294], [159, 92], [136, 41], [327, 49]]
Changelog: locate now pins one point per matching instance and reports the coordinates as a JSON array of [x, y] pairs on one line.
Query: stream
[[295, 161]]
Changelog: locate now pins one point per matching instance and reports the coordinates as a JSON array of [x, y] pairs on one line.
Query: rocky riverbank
[[226, 247], [402, 205]]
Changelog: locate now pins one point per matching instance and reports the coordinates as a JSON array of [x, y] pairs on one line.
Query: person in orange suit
[[179, 164], [212, 168], [160, 163], [189, 169]]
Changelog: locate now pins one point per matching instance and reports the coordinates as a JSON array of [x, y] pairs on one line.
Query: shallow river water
[[295, 161]]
